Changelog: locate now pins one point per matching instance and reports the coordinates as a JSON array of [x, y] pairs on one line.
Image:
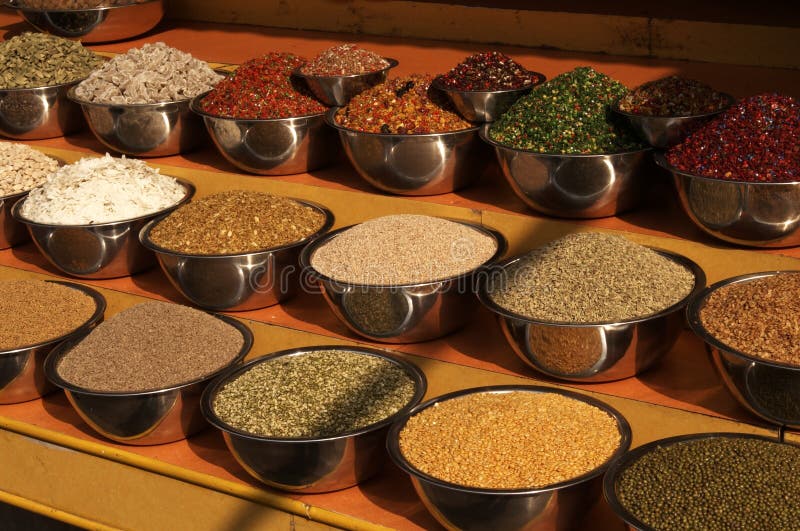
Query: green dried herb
[[39, 60]]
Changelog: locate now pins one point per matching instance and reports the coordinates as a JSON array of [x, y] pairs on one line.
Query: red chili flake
[[673, 96], [344, 60], [489, 71]]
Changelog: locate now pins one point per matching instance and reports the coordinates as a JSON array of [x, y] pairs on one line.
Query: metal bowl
[[337, 90], [22, 376], [403, 313], [484, 105], [574, 185], [97, 24], [754, 214], [234, 282], [592, 352], [560, 506], [142, 418], [423, 164], [311, 465], [39, 112], [102, 250], [12, 232]]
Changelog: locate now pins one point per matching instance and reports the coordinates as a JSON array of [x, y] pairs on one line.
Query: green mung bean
[[38, 60]]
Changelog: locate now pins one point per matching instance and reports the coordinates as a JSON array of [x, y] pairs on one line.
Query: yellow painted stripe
[[53, 513]]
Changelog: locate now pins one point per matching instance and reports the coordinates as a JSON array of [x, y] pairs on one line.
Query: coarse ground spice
[[39, 60], [320, 393], [715, 484], [512, 440], [489, 71], [591, 278], [153, 345], [403, 249], [23, 168], [568, 114], [673, 96], [402, 105], [344, 60], [753, 141], [34, 311], [236, 221]]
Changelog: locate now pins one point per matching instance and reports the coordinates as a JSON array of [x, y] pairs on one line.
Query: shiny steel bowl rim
[[414, 373], [438, 85], [194, 106], [661, 160], [51, 369], [15, 5], [393, 439], [392, 63], [330, 119], [615, 108]]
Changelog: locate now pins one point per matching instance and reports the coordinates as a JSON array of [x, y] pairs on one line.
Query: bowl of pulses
[[738, 176], [138, 377], [235, 250], [86, 217], [313, 419], [35, 317], [713, 481], [564, 154], [591, 307], [137, 103], [402, 278], [263, 122], [404, 138], [508, 457]]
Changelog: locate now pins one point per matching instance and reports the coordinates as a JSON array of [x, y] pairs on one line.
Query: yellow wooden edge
[[52, 512]]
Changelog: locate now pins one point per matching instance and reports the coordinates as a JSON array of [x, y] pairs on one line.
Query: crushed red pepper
[[489, 71], [673, 96]]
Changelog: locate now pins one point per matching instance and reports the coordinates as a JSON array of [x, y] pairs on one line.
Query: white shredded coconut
[[22, 168]]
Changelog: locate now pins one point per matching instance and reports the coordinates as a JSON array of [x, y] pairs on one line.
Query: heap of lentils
[[673, 96], [569, 114], [153, 345], [512, 440], [403, 249], [39, 60], [34, 311], [263, 88], [489, 71], [23, 168], [344, 60], [753, 141], [591, 278], [715, 483], [236, 221], [402, 105], [321, 393]]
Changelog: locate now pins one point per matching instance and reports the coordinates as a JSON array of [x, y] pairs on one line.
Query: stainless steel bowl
[[592, 352], [484, 105], [102, 250], [12, 232], [337, 90], [97, 24], [142, 418], [404, 313], [235, 282], [40, 112], [745, 213], [558, 507], [424, 164], [311, 465], [22, 376]]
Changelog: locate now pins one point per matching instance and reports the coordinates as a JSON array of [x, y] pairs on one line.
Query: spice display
[[714, 484], [154, 73], [101, 190], [22, 168], [344, 60], [151, 346], [568, 114], [236, 221], [34, 311], [39, 60], [402, 105], [591, 278], [673, 96], [753, 141], [320, 393], [262, 88], [489, 71], [478, 440], [403, 249]]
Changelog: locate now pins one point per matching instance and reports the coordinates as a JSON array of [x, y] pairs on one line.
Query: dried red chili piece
[[489, 71]]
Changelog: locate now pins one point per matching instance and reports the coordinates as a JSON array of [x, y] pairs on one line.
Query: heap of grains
[[754, 141], [403, 249], [510, 440], [402, 105], [101, 190], [344, 60], [714, 483], [23, 168], [673, 96], [591, 278], [154, 73], [321, 393], [38, 60], [237, 221], [151, 346], [568, 114], [34, 311], [489, 71]]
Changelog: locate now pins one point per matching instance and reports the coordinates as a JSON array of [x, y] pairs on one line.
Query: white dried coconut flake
[[22, 168], [101, 190]]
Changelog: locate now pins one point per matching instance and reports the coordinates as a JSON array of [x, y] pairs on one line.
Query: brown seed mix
[[344, 60]]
